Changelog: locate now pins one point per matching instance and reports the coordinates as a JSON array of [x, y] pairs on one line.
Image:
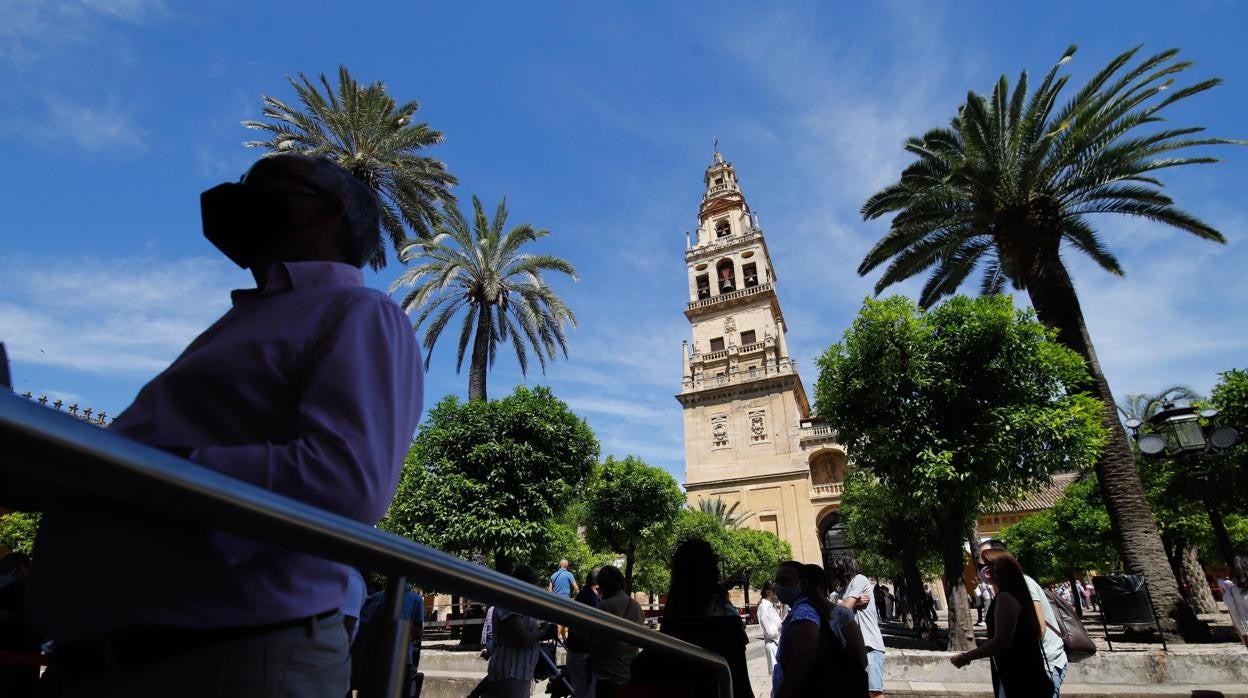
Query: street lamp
[[1177, 433]]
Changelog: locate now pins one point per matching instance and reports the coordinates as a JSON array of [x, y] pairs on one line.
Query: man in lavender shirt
[[309, 386]]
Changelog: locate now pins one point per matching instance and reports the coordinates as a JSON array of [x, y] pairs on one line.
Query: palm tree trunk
[[1192, 577], [480, 355], [1057, 306]]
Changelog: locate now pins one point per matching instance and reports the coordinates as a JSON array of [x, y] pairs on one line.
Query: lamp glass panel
[[1188, 435]]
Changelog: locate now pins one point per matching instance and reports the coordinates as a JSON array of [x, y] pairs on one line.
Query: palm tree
[[363, 129], [1142, 406], [1008, 183], [726, 515], [482, 271]]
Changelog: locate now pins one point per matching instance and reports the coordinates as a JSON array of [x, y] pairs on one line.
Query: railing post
[[392, 648]]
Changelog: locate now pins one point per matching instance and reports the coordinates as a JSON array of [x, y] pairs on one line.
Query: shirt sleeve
[[361, 402], [857, 586]]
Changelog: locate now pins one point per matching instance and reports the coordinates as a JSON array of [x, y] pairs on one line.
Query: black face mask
[[241, 220]]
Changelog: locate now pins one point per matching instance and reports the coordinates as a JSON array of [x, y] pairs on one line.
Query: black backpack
[[1075, 638]]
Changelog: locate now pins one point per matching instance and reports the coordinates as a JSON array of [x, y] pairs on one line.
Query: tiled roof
[[1043, 498]]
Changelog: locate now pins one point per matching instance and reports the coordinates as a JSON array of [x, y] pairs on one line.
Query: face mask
[[240, 220], [787, 594]]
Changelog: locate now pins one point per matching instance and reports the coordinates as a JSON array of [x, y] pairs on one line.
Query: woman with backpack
[[1014, 633], [821, 647]]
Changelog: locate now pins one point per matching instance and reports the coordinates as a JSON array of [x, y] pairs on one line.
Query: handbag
[[1075, 639]]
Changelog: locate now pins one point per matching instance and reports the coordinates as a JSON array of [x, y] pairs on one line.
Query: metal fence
[[51, 459]]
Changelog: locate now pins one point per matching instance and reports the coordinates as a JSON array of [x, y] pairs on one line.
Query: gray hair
[[360, 236]]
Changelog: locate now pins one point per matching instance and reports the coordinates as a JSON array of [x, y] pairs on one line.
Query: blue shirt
[[310, 386], [561, 582]]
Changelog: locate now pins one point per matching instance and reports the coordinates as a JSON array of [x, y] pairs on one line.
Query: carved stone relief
[[758, 425], [719, 430]]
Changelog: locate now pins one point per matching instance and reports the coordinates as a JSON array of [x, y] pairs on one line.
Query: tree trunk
[[957, 600], [910, 597], [1057, 306], [1192, 577], [628, 568], [480, 355]]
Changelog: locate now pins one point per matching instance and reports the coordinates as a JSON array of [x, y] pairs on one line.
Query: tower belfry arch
[[750, 436]]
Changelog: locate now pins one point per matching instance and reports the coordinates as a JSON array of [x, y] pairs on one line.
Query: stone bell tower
[[749, 435]]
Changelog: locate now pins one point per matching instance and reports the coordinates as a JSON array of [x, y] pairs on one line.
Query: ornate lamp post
[[1177, 433]]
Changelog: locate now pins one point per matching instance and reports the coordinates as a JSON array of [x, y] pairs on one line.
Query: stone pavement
[[1124, 673]]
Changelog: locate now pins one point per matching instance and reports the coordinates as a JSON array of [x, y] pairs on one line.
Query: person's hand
[[959, 660], [863, 601]]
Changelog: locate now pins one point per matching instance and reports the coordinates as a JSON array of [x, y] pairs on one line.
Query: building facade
[[750, 438]]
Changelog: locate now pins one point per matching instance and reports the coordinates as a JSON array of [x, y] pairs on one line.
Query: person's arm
[[361, 400], [1044, 626], [1005, 620], [576, 588], [804, 641]]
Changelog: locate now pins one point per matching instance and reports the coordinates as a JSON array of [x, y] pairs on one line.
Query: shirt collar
[[294, 276]]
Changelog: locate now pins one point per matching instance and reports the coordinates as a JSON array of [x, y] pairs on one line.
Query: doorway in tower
[[832, 536]]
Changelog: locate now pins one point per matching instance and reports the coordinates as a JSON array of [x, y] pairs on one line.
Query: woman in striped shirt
[[516, 645]]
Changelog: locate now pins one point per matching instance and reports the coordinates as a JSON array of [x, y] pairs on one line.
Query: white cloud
[[32, 30], [108, 316], [98, 128]]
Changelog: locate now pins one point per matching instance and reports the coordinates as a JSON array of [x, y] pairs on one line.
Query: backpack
[[1075, 638], [836, 672]]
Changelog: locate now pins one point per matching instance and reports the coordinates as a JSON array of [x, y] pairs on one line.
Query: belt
[[138, 646]]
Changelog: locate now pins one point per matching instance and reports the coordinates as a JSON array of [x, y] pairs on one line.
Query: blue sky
[[596, 123]]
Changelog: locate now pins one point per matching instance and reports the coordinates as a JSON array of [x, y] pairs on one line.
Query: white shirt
[[1236, 600], [769, 617], [1054, 651]]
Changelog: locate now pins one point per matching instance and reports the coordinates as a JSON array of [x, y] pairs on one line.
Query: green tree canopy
[[481, 271], [740, 550], [957, 408], [489, 475], [627, 503], [18, 529], [363, 129], [1071, 537]]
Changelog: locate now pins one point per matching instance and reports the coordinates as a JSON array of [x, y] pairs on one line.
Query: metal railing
[[53, 457]]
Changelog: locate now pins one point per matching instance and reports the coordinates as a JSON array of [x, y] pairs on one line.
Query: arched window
[[726, 272], [722, 229], [827, 467]]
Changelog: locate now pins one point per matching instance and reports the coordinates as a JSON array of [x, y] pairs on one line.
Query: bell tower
[[748, 425]]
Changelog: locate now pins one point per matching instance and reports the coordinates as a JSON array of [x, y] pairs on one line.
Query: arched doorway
[[832, 535]]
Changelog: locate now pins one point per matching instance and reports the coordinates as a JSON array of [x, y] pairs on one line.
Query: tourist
[[611, 659], [1235, 596], [579, 644], [1014, 633], [698, 611], [563, 583], [310, 387], [857, 596], [983, 599], [1089, 596], [821, 645], [881, 599], [1055, 657], [515, 647], [1079, 597], [771, 613]]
